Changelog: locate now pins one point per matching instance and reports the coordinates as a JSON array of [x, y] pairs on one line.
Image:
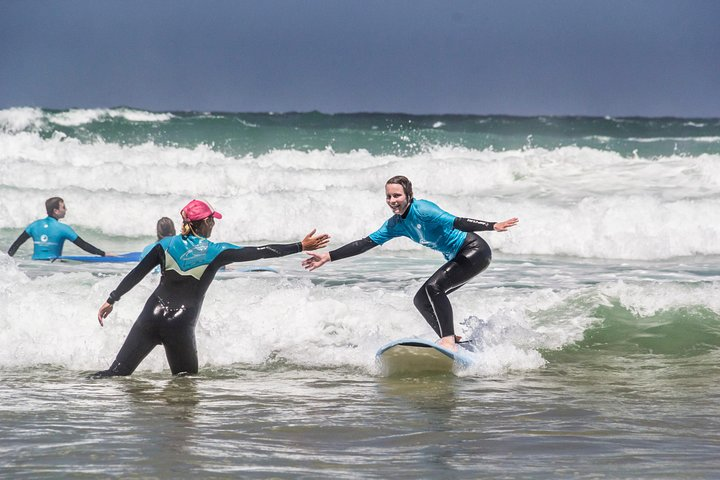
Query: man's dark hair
[[51, 204]]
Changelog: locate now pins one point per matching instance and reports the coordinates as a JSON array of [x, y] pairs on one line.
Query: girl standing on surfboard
[[427, 224], [188, 263]]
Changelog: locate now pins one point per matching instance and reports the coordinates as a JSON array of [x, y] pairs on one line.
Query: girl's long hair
[[165, 228]]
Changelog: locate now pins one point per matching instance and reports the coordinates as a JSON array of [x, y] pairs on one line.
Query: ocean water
[[598, 320]]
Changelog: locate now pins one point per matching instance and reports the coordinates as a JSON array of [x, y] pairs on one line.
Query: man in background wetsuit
[[49, 234], [188, 264], [427, 224]]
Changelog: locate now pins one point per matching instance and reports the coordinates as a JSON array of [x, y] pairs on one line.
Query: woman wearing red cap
[[188, 263]]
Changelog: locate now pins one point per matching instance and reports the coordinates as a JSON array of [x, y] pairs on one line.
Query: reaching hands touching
[[317, 260], [311, 242], [503, 226]]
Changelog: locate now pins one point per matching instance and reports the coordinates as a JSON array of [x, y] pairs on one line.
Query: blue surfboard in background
[[122, 258], [135, 257]]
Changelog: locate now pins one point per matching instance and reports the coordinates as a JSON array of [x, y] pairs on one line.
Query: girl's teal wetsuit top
[[165, 241], [426, 224]]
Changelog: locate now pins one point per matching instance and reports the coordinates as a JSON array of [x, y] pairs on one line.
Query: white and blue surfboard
[[416, 355]]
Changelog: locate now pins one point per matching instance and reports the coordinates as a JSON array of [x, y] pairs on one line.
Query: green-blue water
[[393, 134], [598, 320]]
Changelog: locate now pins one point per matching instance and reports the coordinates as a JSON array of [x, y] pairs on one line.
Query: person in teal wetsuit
[[427, 224], [49, 235], [188, 263]]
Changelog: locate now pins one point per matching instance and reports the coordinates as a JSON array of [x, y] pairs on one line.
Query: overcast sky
[[519, 57]]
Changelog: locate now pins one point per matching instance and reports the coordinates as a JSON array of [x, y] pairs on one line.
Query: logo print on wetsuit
[[421, 237], [196, 254]]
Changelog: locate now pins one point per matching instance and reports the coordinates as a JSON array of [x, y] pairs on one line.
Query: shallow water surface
[[654, 420]]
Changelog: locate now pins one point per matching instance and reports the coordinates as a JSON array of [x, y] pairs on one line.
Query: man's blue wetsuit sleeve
[[24, 236], [87, 247], [151, 260], [66, 231], [247, 254], [353, 248], [470, 225]]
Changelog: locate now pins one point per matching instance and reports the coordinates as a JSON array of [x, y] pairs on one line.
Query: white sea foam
[[10, 273], [574, 202], [644, 301], [606, 139], [675, 139], [15, 120], [571, 201], [20, 119], [76, 117], [255, 319]]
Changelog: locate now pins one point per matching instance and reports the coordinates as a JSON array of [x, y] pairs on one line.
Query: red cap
[[198, 210]]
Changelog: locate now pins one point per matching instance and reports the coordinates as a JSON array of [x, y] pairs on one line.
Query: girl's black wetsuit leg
[[157, 324], [432, 301]]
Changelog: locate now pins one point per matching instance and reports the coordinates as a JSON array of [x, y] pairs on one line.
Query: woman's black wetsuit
[[188, 265], [431, 300]]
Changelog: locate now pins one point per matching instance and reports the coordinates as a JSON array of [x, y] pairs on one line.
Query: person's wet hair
[[403, 182], [190, 228], [52, 203], [165, 228]]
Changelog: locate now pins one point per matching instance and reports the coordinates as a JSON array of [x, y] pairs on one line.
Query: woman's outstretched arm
[[246, 254], [317, 260]]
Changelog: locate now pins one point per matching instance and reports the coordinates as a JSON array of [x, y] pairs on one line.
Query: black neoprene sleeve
[[150, 261], [353, 248], [156, 256], [247, 254], [87, 247], [471, 225], [16, 244]]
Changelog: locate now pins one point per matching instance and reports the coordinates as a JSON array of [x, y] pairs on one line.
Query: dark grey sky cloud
[[527, 57]]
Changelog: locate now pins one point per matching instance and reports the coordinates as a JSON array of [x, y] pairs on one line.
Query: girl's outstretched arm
[[315, 260]]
